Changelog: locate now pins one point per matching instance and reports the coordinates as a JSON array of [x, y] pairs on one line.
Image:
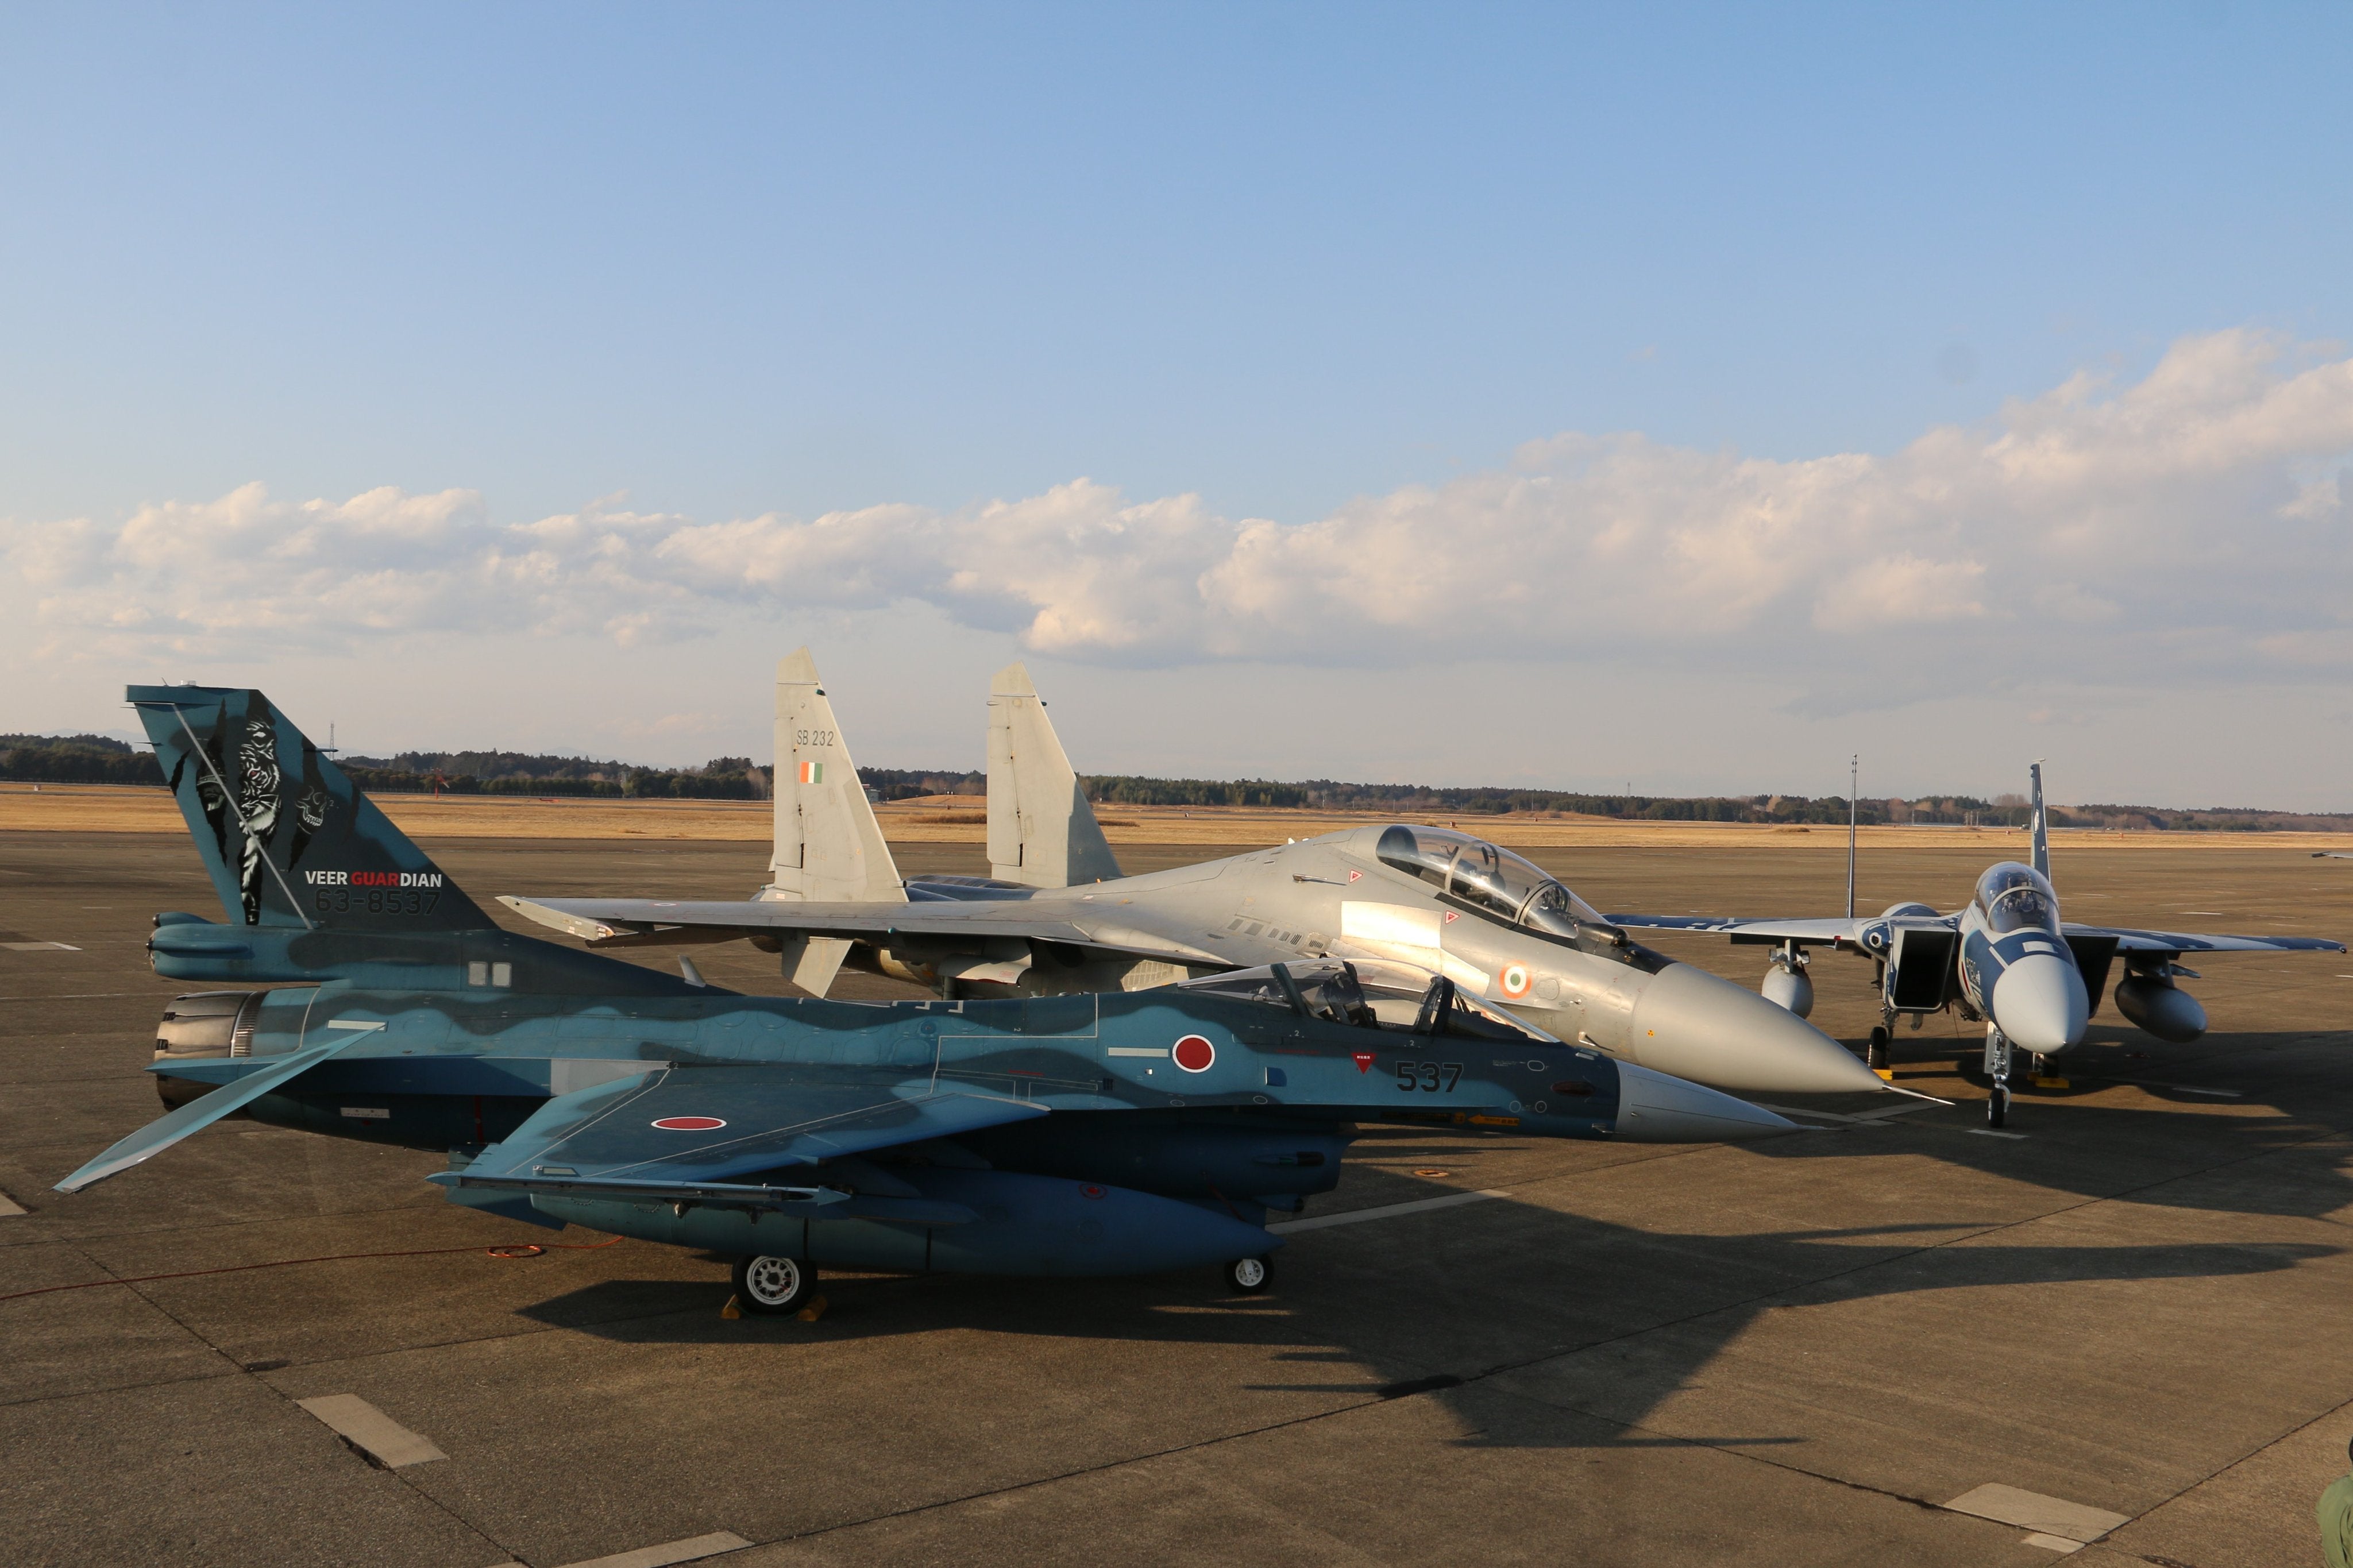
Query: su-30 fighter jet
[[1058, 918], [2005, 959], [1060, 1135]]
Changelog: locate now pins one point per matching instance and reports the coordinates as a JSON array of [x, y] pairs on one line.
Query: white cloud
[[2171, 529]]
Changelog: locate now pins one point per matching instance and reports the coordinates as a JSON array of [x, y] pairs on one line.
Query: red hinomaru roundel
[[1194, 1054], [690, 1123]]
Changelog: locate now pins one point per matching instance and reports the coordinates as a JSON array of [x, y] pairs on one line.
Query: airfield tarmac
[[1792, 1352]]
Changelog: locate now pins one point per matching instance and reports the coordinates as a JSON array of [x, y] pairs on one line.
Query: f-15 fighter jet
[[2007, 959], [1058, 918], [1061, 1135]]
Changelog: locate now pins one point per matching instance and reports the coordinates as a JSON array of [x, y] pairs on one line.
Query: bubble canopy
[[2013, 897], [1491, 879]]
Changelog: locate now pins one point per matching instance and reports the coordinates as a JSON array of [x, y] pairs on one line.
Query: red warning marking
[[1090, 1190], [1355, 875], [1194, 1054], [690, 1123], [1452, 915], [1364, 1061]]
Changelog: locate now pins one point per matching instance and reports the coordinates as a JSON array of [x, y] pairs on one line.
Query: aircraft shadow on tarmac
[[1611, 1320]]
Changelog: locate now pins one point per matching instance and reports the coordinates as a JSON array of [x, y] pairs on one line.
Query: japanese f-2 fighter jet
[[1058, 916], [2005, 959], [1071, 1134]]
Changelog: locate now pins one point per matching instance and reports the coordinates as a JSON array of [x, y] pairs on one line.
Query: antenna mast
[[1854, 775]]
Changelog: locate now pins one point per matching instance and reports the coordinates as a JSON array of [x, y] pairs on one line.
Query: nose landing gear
[[1997, 1067]]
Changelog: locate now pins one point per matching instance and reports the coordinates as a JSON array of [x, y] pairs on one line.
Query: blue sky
[[740, 263]]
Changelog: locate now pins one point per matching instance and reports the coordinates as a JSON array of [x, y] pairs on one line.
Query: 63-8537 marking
[[1427, 1076]]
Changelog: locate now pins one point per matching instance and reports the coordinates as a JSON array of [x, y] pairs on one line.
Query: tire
[[1997, 1105], [1250, 1276], [773, 1286], [1877, 1056]]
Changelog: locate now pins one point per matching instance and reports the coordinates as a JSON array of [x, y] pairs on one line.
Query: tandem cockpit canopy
[[1372, 994], [2013, 897], [1491, 878]]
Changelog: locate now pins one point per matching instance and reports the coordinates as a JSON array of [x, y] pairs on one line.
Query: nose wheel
[[1876, 1056], [1250, 1276], [1997, 1067]]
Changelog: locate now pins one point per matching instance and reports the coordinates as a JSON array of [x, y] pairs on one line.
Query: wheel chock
[[731, 1311], [2050, 1083], [1887, 1073], [813, 1311]]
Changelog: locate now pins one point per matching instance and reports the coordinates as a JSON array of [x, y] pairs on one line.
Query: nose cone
[[1691, 1024], [1655, 1109], [2038, 1002]]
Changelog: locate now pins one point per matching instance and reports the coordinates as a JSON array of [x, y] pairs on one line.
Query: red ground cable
[[513, 1249]]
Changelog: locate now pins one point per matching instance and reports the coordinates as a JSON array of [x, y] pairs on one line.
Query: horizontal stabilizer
[[203, 1111]]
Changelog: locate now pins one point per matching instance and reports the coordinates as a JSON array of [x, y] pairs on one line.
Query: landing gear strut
[[1997, 1067]]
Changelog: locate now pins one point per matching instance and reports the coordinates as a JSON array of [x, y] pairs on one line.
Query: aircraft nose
[[1655, 1109], [2038, 1002], [1689, 1023]]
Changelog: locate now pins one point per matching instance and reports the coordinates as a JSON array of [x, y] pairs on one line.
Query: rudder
[[828, 847]]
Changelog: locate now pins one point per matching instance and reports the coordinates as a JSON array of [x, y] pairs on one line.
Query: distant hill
[[95, 759]]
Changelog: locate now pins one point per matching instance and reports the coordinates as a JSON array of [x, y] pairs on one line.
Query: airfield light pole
[[1854, 775]]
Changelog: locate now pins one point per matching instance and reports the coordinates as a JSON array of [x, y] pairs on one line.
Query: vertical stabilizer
[[1041, 832], [2039, 828], [828, 847], [287, 839]]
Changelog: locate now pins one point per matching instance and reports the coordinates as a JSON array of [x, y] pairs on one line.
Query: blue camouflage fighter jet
[[1076, 1134]]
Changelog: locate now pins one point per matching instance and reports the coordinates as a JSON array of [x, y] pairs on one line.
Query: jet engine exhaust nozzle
[[1695, 1026]]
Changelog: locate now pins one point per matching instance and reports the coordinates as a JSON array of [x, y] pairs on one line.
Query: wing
[[683, 1135], [2130, 941], [659, 921], [1804, 933], [727, 1122]]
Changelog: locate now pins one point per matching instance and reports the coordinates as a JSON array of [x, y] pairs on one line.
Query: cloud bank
[[2192, 525]]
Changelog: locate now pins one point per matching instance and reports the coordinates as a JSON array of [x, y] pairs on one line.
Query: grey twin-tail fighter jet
[[1058, 918], [2007, 959], [1056, 1135]]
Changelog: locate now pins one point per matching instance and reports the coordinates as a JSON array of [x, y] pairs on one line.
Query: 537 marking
[[1427, 1076]]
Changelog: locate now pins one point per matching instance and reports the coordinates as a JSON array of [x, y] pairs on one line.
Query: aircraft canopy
[[2017, 898], [1498, 883]]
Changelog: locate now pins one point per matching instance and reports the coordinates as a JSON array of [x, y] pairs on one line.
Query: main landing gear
[[773, 1286], [1876, 1058], [1250, 1276], [1997, 1067]]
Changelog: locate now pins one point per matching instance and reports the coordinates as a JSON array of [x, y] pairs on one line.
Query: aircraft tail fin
[[1041, 832], [2039, 827], [286, 835], [828, 847]]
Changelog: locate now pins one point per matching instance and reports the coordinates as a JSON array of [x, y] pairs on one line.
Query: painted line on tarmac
[[39, 946], [382, 1441], [1386, 1210], [1990, 1132], [8, 1206], [692, 1550]]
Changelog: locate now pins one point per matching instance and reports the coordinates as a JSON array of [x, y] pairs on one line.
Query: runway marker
[[690, 1551], [371, 1431], [2072, 1523], [1386, 1210]]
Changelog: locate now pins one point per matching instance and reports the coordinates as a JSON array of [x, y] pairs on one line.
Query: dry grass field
[[962, 819]]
